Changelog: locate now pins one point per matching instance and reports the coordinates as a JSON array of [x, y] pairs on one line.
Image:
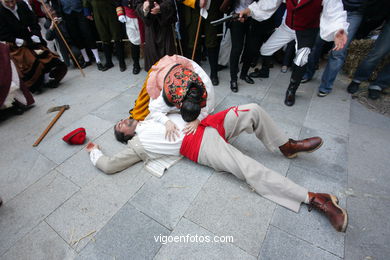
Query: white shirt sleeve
[[159, 109], [333, 18], [264, 9], [94, 155]]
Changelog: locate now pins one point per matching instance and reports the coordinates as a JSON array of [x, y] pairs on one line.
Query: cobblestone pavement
[[58, 206]]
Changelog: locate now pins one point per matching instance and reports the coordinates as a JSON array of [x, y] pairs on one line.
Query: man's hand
[[244, 14], [89, 17], [122, 19], [191, 127], [146, 6], [156, 9], [340, 39], [35, 39], [90, 146], [202, 3], [171, 131]]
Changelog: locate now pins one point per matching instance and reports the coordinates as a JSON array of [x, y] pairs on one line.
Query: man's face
[[9, 3], [126, 126]]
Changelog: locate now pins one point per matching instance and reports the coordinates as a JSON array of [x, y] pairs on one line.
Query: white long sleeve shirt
[[333, 17]]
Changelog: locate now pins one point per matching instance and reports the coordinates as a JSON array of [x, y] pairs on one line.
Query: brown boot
[[328, 204], [308, 145]]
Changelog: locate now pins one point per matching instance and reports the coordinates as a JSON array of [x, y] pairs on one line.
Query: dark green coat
[[106, 20]]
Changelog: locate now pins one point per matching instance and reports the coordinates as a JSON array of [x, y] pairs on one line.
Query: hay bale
[[358, 50]]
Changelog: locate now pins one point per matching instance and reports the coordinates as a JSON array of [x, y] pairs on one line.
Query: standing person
[[250, 33], [303, 19], [78, 28], [134, 28], [103, 12], [191, 15], [380, 50], [159, 18], [210, 146]]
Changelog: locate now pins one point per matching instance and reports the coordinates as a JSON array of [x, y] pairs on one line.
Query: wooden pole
[[196, 37], [62, 37]]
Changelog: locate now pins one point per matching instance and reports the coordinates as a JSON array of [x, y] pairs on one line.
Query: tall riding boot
[[107, 48], [295, 80], [120, 55], [213, 60], [135, 53]]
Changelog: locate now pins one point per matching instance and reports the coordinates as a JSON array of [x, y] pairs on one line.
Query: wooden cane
[[196, 37], [62, 37]]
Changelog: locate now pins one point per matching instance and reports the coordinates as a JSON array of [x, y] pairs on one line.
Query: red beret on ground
[[77, 136]]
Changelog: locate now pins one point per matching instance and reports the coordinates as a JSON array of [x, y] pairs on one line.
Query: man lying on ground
[[209, 146]]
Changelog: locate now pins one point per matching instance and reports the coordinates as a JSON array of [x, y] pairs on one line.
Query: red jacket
[[304, 15]]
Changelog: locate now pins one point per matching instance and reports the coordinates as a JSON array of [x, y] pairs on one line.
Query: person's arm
[[159, 110], [261, 10], [113, 164], [333, 22]]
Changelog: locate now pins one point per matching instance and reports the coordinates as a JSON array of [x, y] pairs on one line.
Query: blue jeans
[[336, 58], [380, 50]]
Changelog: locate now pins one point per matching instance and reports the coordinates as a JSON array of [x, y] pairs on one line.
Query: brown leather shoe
[[328, 204], [308, 145]]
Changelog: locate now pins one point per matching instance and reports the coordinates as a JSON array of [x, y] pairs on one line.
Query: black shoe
[[353, 87], [260, 73], [290, 95], [136, 69], [107, 66], [100, 66], [305, 79], [86, 64], [248, 79], [122, 67], [215, 80], [374, 94], [322, 93], [51, 84], [221, 67], [234, 86]]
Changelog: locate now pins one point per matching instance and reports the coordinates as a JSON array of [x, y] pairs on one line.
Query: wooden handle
[[196, 37], [49, 127]]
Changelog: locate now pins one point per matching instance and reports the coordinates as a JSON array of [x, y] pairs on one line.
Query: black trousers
[[305, 39], [79, 30], [249, 36]]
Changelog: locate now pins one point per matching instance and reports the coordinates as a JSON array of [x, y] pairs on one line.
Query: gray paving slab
[[166, 199], [369, 229], [227, 206], [330, 113], [20, 215], [95, 204], [79, 169], [330, 159], [128, 235], [362, 116], [20, 173], [368, 161], [283, 246], [58, 151], [41, 243], [198, 250], [312, 227], [235, 100]]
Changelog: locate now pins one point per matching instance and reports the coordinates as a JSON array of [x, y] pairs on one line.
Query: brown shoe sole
[[296, 154], [335, 202]]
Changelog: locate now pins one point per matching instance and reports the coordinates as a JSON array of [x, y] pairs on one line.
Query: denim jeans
[[380, 50], [336, 58]]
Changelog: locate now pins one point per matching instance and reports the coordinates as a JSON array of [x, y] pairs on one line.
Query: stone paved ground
[[58, 206]]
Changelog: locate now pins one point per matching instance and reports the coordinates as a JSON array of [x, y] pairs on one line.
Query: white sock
[[96, 55], [46, 77], [85, 56]]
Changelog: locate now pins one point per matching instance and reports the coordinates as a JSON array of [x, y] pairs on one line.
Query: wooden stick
[[196, 37], [62, 37], [49, 127]]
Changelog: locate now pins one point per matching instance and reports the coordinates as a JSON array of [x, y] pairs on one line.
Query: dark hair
[[190, 108], [121, 137]]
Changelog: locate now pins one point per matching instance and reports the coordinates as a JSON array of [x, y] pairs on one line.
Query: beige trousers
[[222, 156]]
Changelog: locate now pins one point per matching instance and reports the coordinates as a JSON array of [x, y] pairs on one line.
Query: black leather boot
[[290, 94], [135, 53], [107, 48], [121, 55], [213, 60]]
